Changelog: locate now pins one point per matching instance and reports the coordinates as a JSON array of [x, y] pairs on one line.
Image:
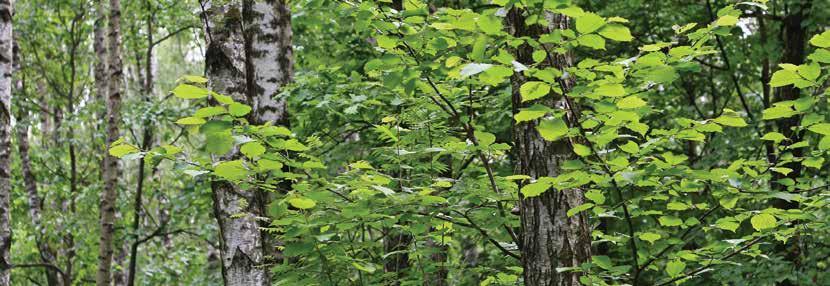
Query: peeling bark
[[550, 239]]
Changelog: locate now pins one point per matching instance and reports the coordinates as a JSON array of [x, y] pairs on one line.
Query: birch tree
[[249, 58], [6, 63], [109, 195]]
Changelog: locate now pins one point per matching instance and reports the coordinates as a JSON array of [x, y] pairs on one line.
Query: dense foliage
[[696, 134]]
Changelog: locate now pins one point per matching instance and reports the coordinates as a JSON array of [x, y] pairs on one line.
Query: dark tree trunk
[[794, 41], [550, 239]]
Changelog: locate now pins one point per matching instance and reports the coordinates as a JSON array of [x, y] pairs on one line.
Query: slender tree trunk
[[99, 45], [251, 63], [794, 41], [108, 197], [6, 63], [550, 239]]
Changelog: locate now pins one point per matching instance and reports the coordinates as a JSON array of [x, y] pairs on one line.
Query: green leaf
[[269, 165], [670, 221], [186, 91], [209, 111], [539, 55], [616, 32], [552, 129], [821, 128], [490, 25], [822, 40], [774, 136], [123, 149], [533, 90], [252, 149], [784, 77], [809, 71], [813, 162], [195, 79], [824, 144], [630, 147], [531, 113], [727, 20], [727, 223], [223, 99], [302, 203], [517, 177], [732, 121], [485, 138], [238, 109], [610, 89], [368, 267], [631, 102], [581, 150], [589, 22], [602, 261], [779, 111], [294, 145], [274, 131], [820, 55], [579, 208], [190, 121], [387, 43], [313, 164], [675, 267], [535, 189], [649, 236], [592, 41], [595, 196], [231, 170], [218, 142], [763, 221]]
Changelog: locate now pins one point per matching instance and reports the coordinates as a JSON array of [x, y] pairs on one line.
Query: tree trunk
[[794, 41], [550, 239], [108, 196], [99, 44], [6, 63], [250, 63]]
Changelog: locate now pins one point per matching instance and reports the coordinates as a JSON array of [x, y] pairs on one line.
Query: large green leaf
[[186, 91], [588, 23], [552, 129], [763, 221], [616, 32], [533, 90], [231, 170]]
